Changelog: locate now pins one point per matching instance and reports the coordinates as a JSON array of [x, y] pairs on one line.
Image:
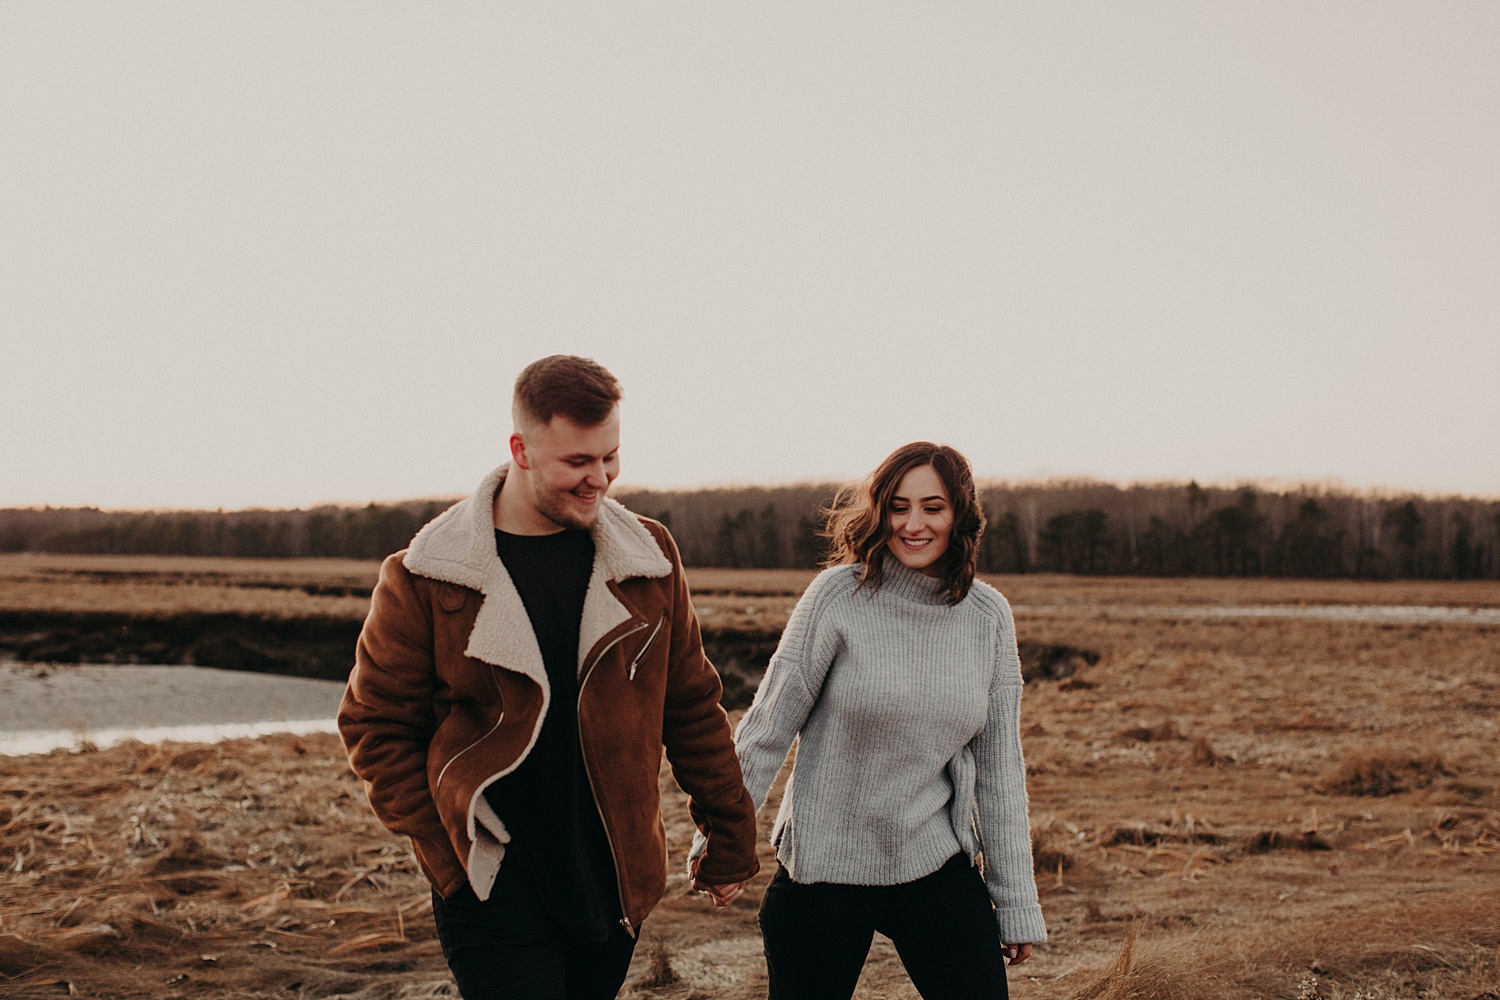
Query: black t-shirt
[[558, 843]]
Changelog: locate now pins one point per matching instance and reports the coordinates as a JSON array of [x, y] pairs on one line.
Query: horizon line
[[1327, 486]]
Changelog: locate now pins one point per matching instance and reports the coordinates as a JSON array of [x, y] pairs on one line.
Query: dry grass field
[[171, 585], [1221, 808]]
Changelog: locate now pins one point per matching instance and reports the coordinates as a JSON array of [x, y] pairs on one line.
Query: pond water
[[53, 706]]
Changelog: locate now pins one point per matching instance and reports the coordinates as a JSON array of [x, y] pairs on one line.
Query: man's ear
[[518, 452]]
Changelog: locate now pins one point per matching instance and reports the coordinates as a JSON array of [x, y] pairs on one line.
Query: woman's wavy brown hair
[[858, 526]]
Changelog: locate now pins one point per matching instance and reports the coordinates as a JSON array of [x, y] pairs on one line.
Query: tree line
[[1058, 527], [370, 532], [1197, 531]]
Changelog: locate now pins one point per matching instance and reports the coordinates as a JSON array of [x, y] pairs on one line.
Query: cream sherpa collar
[[458, 546]]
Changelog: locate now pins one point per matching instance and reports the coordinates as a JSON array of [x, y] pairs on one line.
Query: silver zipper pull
[[630, 674]]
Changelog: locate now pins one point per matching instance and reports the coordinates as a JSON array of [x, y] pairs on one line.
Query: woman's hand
[[1017, 953], [722, 895]]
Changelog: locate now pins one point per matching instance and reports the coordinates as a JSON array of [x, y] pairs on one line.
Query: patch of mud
[[742, 658], [319, 648], [1042, 661], [323, 648]]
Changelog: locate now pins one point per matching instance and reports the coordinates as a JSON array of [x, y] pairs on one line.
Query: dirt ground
[[1220, 808]]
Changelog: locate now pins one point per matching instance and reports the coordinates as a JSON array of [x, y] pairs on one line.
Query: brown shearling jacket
[[448, 693]]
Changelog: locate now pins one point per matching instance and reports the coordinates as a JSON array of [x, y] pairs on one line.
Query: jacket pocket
[[448, 751], [452, 598], [650, 641]]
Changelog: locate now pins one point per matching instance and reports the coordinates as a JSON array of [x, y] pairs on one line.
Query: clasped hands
[[722, 895]]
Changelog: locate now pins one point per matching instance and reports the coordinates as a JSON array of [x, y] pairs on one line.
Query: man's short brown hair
[[580, 389]]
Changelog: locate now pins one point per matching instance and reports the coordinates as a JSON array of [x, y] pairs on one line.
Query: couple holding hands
[[528, 657]]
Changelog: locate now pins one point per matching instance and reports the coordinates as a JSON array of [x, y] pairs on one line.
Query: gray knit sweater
[[909, 749]]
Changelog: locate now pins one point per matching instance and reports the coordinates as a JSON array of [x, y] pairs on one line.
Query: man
[[523, 665]]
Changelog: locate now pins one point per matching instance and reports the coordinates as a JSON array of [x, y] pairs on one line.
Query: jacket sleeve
[[700, 745], [386, 717], [1000, 799]]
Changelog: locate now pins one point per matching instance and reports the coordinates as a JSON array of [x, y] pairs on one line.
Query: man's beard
[[555, 506]]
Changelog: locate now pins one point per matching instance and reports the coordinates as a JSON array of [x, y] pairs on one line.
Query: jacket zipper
[[439, 783], [588, 773], [645, 649]]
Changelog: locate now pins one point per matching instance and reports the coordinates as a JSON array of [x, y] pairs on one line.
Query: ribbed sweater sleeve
[[790, 688], [1000, 798], [787, 693]]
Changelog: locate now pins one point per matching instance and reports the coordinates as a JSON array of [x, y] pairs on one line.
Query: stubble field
[[1221, 807]]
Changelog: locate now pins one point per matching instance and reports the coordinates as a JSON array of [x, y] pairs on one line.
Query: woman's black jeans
[[818, 934]]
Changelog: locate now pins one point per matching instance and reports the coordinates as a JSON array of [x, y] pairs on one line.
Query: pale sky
[[286, 253]]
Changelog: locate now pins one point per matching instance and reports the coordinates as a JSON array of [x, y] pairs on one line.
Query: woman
[[899, 676]]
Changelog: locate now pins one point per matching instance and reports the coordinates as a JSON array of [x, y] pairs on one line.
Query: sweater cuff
[[1021, 924]]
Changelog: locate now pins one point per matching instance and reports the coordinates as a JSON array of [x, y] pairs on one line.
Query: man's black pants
[[509, 948], [817, 935]]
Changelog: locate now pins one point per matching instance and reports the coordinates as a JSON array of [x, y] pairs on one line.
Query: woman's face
[[921, 520]]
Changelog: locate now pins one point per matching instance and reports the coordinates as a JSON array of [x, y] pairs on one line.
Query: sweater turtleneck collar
[[902, 581]]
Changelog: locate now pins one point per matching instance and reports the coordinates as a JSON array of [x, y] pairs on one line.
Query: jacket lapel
[[458, 546], [623, 548]]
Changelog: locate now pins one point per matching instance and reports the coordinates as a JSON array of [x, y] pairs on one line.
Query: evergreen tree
[[1235, 536], [1076, 541], [1406, 523], [1308, 545]]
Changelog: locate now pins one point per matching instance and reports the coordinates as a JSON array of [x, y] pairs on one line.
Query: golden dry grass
[[168, 585], [741, 599], [1202, 793], [1053, 589], [1058, 589], [1248, 855], [228, 870]]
